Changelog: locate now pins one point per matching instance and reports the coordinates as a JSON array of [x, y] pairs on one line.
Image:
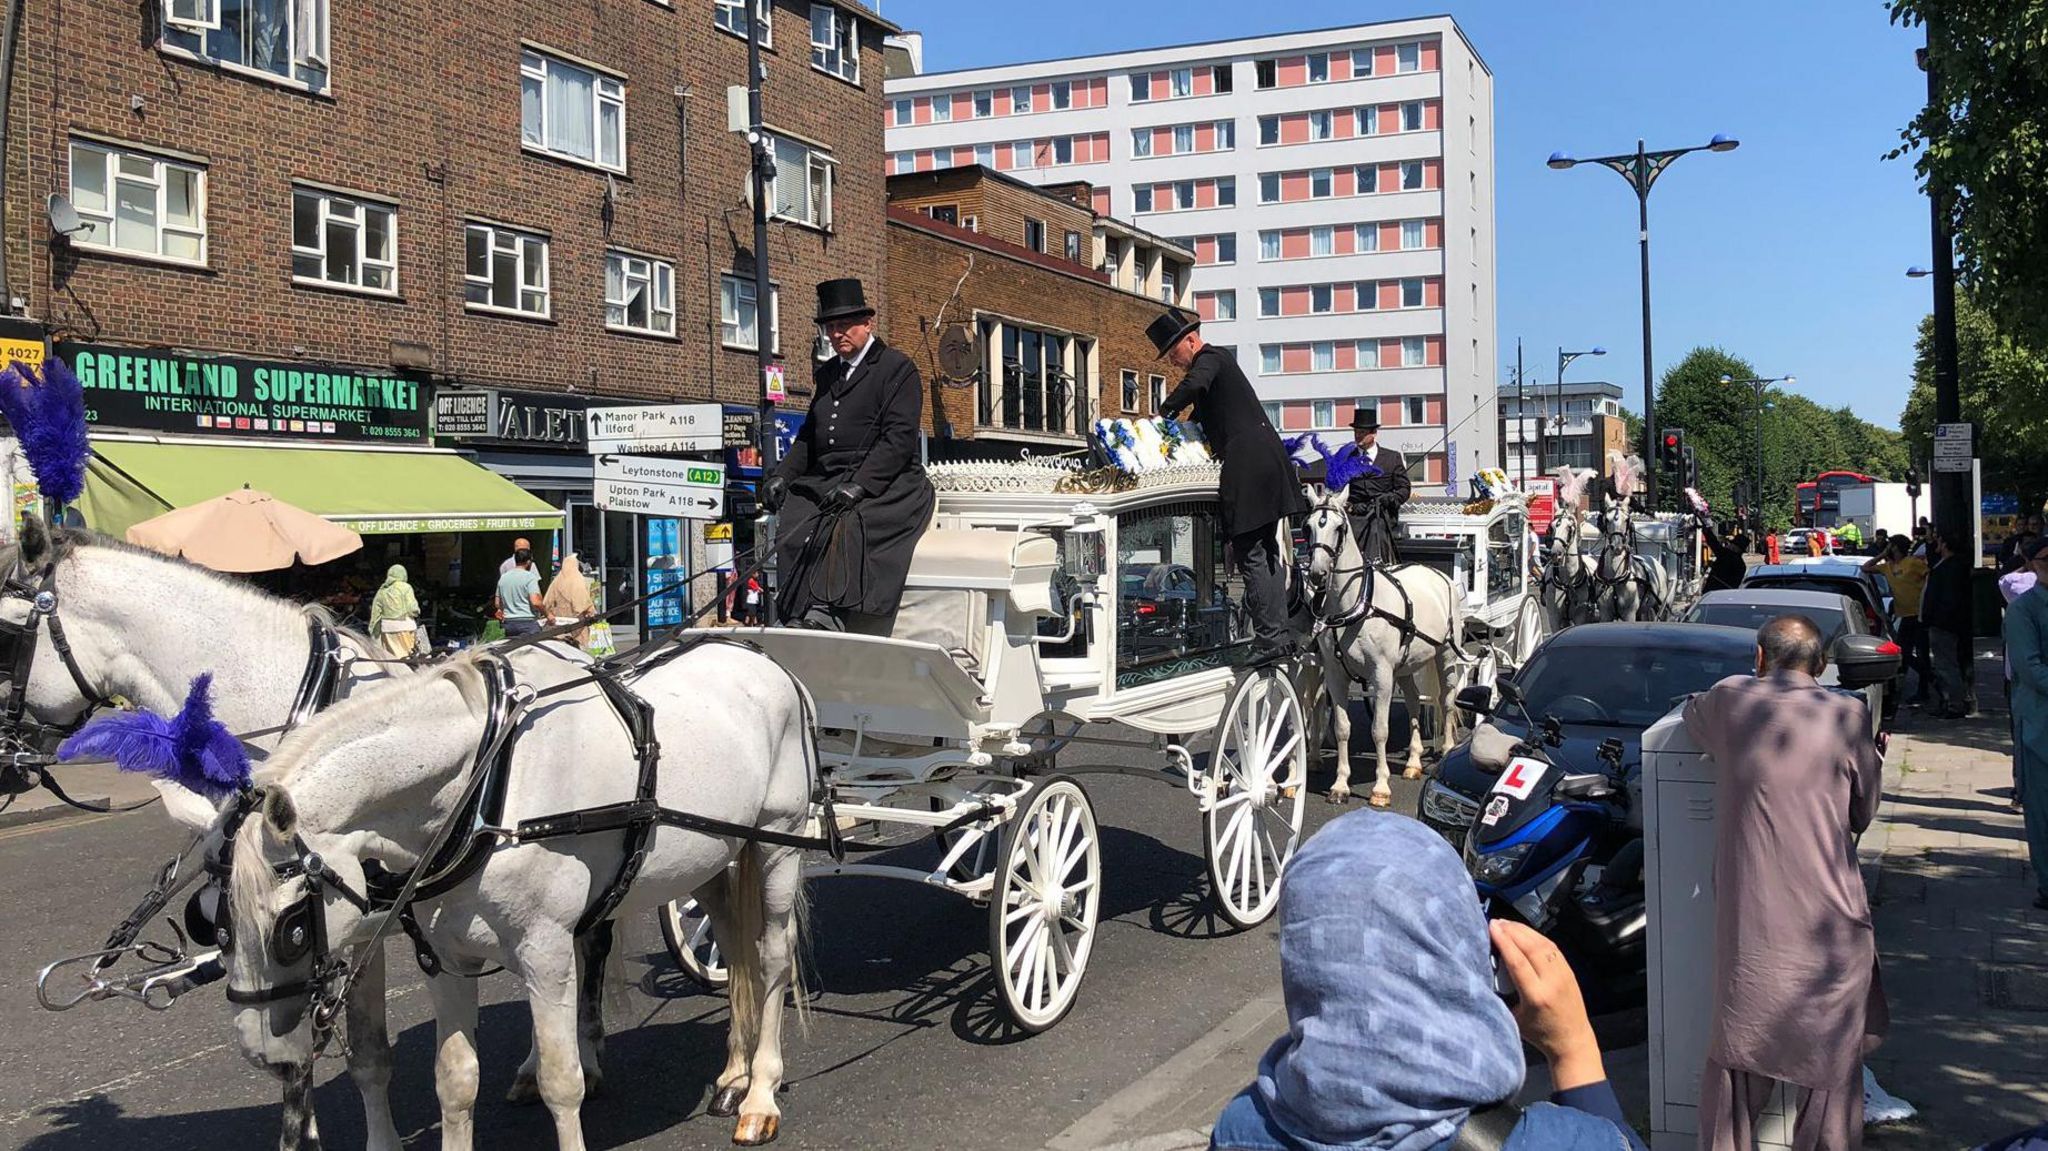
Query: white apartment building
[[1336, 186]]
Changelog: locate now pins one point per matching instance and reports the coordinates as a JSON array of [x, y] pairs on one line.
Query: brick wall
[[999, 206], [423, 110]]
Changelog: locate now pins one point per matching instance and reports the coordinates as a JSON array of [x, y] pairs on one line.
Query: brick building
[[540, 201], [998, 291]]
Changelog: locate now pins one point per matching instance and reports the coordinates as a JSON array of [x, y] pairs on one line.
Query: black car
[[1598, 680]]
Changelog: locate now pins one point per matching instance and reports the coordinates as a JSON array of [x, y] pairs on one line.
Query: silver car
[[1834, 614]]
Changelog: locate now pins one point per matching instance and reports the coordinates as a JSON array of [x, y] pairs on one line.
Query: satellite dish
[[64, 218], [956, 352]]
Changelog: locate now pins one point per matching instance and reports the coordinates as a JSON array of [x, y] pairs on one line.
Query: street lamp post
[[1759, 386], [1641, 169], [1564, 360]]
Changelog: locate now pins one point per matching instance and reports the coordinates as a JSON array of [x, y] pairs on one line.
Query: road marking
[[1112, 1121], [59, 824]]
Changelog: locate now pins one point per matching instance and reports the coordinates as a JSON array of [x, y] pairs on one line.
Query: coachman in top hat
[[1375, 500], [1260, 488], [853, 495]]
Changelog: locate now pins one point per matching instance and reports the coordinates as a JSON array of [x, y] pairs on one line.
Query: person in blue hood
[[1396, 1038]]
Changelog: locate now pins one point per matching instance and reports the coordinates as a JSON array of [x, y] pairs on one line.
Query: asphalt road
[[906, 1047]]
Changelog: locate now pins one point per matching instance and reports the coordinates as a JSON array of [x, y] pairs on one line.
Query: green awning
[[372, 492]]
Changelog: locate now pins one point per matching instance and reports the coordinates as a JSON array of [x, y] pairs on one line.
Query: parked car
[[1160, 612], [1843, 577], [1835, 614]]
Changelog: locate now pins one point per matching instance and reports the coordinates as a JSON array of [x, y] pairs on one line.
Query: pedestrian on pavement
[[2012, 554], [1796, 999], [1948, 625], [1880, 541], [1850, 537], [1816, 542], [519, 599], [1730, 555], [568, 600], [1771, 553], [1259, 488], [2026, 650], [750, 601], [395, 614], [1397, 1039], [1908, 576], [522, 544]]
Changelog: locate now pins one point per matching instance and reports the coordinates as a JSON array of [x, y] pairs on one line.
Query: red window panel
[[1390, 406], [1344, 182], [1433, 292], [1293, 186], [1390, 118], [1162, 141], [926, 161], [1294, 245], [1205, 137], [1205, 252], [1205, 305], [1383, 60], [1041, 96], [1205, 194], [1297, 415], [963, 106], [1432, 55], [1432, 173], [1433, 350], [1433, 115], [1100, 199], [1295, 358], [1098, 92], [1433, 232], [1162, 86], [1294, 129], [1347, 356], [1340, 65], [1205, 81], [1433, 408], [1292, 71], [1390, 295], [1294, 301], [921, 110], [1390, 235], [999, 104], [1344, 298], [1005, 157], [963, 156]]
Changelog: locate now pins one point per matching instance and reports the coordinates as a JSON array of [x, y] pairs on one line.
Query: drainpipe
[[8, 34]]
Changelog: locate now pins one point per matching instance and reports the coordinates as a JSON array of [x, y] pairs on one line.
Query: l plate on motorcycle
[[1521, 777]]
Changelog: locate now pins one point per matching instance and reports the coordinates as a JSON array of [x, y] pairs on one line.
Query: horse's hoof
[[1412, 773], [1382, 799], [1337, 795], [524, 1092], [756, 1130], [726, 1103]]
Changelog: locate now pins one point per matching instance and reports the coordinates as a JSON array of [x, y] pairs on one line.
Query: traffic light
[[1671, 449], [1913, 484], [1690, 468]]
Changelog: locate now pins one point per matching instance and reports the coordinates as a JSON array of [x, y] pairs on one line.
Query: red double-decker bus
[[1819, 501]]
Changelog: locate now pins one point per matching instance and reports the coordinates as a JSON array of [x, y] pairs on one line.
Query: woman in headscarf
[[568, 599], [395, 614], [1396, 1038]]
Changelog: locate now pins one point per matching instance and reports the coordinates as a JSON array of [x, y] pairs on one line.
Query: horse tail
[[746, 897]]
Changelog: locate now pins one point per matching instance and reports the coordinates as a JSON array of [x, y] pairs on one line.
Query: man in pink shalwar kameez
[[1796, 997]]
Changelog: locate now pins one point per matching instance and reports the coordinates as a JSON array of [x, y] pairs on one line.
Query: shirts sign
[[646, 485], [657, 428]]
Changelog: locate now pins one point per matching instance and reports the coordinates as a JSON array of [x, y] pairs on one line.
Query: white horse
[[376, 776], [1622, 575], [1379, 626], [1566, 595]]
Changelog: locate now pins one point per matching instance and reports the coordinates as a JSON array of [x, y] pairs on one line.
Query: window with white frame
[[1074, 247], [1265, 73], [1411, 116], [1063, 150], [1226, 135], [1034, 235], [802, 188], [139, 203], [1322, 413], [1183, 81], [1408, 57], [1184, 194], [1269, 245], [1223, 82], [1361, 62], [1366, 177], [1169, 282], [344, 241], [1062, 95], [732, 16], [985, 155], [1226, 305], [1318, 67], [1320, 126], [1323, 354], [1321, 299], [1158, 390], [1319, 184], [1269, 301], [1020, 99], [1272, 410], [282, 38], [1367, 294], [835, 42], [1141, 198], [1269, 359], [942, 109], [1365, 237], [739, 319], [1322, 240], [1112, 254], [1226, 248], [1141, 141], [1183, 138], [1269, 130], [1414, 235], [1033, 380], [639, 294], [1226, 191], [1141, 87], [1411, 175], [902, 108], [1022, 156], [1368, 353], [505, 270], [1414, 352], [984, 104], [1131, 395], [1411, 292], [568, 110], [1269, 187], [1366, 121], [904, 162], [1418, 410]]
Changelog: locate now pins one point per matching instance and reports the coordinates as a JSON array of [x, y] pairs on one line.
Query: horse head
[[1329, 535]]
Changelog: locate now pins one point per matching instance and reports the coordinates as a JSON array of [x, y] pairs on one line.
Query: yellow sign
[[718, 532], [29, 352]]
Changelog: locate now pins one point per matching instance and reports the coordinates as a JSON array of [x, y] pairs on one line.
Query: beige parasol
[[245, 531]]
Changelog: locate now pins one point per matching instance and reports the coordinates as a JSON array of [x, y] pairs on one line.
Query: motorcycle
[[1561, 851]]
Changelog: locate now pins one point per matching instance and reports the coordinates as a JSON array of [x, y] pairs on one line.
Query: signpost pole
[[764, 418]]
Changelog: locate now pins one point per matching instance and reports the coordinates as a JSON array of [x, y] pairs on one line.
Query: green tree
[[1983, 141], [2004, 386]]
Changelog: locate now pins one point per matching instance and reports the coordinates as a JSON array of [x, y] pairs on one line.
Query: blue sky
[[1790, 251]]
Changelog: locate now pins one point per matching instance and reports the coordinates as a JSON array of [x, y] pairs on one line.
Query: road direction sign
[[657, 428], [1952, 447], [644, 485]]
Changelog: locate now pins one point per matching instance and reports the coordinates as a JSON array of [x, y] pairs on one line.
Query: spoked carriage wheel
[[1528, 632], [1257, 781], [687, 931], [1041, 922], [977, 860]]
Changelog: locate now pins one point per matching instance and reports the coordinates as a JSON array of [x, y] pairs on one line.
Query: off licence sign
[[1952, 444], [657, 428], [644, 485]]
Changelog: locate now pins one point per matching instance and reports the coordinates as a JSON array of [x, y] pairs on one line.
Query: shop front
[[170, 429]]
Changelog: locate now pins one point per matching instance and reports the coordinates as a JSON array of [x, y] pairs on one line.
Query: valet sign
[[154, 390]]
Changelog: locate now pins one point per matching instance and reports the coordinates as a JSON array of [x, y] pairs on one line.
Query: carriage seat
[[965, 581]]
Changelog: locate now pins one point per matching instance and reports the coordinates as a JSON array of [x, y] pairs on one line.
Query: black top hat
[[1365, 419], [840, 299], [1167, 330]]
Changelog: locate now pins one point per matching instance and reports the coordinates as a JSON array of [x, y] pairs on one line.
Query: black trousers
[[1258, 563], [1913, 638]]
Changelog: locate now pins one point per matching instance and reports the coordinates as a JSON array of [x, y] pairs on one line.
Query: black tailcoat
[[1376, 505], [861, 429], [1260, 486]]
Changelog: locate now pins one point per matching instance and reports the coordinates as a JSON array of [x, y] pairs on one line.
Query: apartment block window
[[985, 155], [1366, 178], [1414, 235], [1367, 293], [1269, 187], [1141, 198], [1020, 99], [1034, 235], [1411, 175], [1411, 116], [1269, 359], [1321, 299], [903, 162], [1319, 126], [1365, 237], [1322, 240], [1021, 155], [942, 109], [732, 16], [1221, 75], [1408, 57], [134, 202], [1411, 293], [984, 104], [1141, 87], [739, 318], [1183, 80], [1322, 413], [1269, 130], [640, 294], [1226, 191], [1184, 194], [566, 110], [1074, 247], [1323, 355], [283, 38], [505, 270], [1226, 135], [1141, 142], [902, 112], [1226, 248], [1319, 185], [1272, 411], [1365, 121], [1183, 138], [1269, 301], [1265, 74], [803, 183], [1361, 62], [1413, 352], [1418, 410], [1131, 394], [1226, 305], [1269, 245], [1063, 150], [1318, 67], [1062, 95], [344, 241], [1158, 390], [1169, 283]]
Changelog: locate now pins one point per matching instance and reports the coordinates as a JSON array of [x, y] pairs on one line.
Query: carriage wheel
[[687, 931], [1255, 789], [1041, 923], [977, 861], [1528, 632]]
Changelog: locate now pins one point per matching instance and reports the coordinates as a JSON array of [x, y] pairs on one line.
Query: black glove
[[846, 495], [774, 492]]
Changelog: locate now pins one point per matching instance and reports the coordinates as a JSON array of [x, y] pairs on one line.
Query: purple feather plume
[[1346, 464], [191, 748], [48, 414]]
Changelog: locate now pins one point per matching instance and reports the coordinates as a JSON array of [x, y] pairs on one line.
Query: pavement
[[99, 784]]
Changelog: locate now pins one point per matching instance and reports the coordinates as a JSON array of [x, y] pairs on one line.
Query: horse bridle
[[1325, 590], [20, 734]]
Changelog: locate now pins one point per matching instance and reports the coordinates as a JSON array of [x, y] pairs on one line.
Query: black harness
[[1367, 608]]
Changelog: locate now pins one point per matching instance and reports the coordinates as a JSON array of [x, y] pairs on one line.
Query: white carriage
[[1039, 616], [1672, 541], [1485, 548]]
